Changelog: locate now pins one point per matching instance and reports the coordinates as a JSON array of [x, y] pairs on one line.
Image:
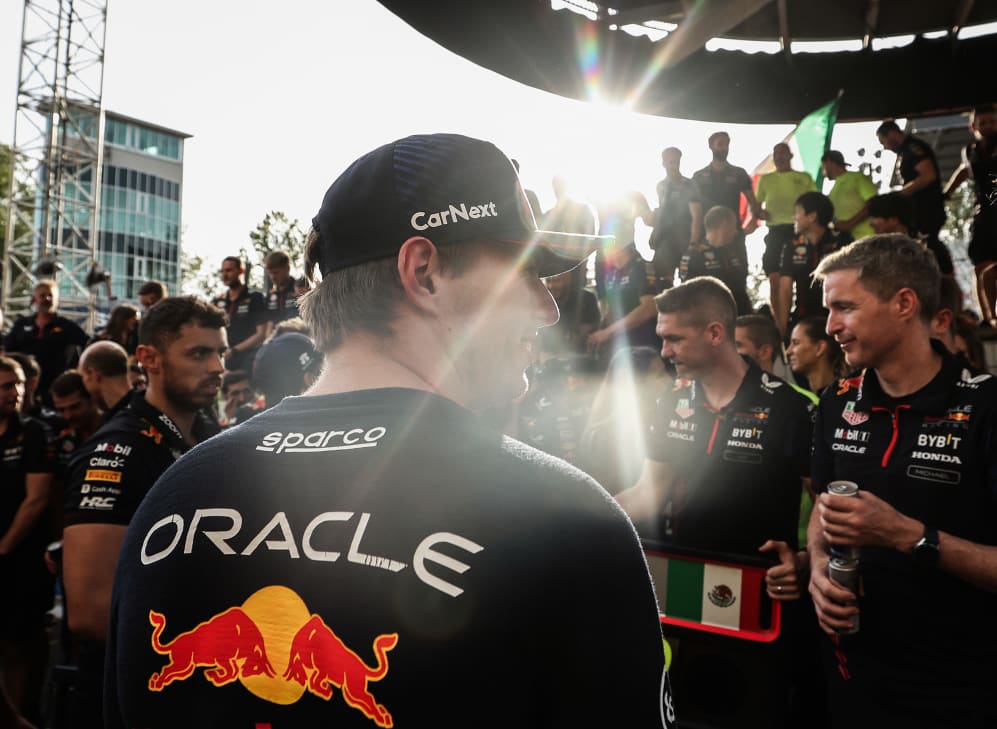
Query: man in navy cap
[[286, 365], [377, 554]]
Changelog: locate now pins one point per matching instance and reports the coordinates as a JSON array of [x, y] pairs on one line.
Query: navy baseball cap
[[280, 364], [446, 187]]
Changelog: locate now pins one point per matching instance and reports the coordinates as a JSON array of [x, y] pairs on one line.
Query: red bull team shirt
[[927, 648], [738, 469], [376, 559]]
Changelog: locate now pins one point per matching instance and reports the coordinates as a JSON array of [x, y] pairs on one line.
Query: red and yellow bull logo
[[851, 383], [151, 432], [277, 649]]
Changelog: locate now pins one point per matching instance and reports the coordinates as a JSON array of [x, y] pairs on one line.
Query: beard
[[185, 399], [719, 155]]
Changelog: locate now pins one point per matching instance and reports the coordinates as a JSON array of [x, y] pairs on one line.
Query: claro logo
[[424, 221], [321, 441]]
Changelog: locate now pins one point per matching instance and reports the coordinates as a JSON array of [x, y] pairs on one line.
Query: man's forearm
[[634, 318], [25, 519], [817, 546]]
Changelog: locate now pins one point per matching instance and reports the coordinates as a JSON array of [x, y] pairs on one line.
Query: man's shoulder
[[126, 428], [65, 323], [782, 394], [917, 147], [22, 324]]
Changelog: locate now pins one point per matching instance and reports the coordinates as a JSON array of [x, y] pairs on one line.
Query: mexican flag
[[808, 141], [722, 598]]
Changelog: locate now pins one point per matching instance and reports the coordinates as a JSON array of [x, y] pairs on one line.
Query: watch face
[[926, 552]]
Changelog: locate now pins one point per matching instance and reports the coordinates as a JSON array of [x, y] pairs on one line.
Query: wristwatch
[[927, 551]]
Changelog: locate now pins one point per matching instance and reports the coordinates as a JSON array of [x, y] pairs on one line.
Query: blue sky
[[280, 97]]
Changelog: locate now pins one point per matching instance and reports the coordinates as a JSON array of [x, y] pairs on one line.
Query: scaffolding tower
[[56, 161]]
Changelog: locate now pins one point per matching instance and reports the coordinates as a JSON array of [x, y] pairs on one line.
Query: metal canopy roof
[[586, 55]]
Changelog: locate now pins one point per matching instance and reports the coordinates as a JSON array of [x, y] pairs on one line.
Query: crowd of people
[[715, 419]]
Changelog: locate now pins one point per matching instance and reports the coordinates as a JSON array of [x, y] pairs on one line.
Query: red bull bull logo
[[851, 383], [228, 645], [259, 645]]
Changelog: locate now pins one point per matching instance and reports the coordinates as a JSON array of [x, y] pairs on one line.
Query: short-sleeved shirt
[[67, 442], [673, 226], [245, 313], [799, 259], [553, 413], [414, 551], [737, 470], [931, 455], [725, 263], [929, 203], [624, 288], [850, 193], [982, 162], [113, 471], [722, 187], [778, 192], [55, 345], [281, 303], [26, 447]]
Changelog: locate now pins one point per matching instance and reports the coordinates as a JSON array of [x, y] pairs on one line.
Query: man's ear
[[906, 303], [149, 357], [419, 270]]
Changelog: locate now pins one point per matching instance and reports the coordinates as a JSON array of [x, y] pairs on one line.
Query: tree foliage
[[276, 232], [24, 190], [197, 278]]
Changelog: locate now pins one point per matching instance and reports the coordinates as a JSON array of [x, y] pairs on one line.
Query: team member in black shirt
[[719, 257], [729, 444], [914, 428], [378, 556], [104, 369], [979, 163], [181, 341], [26, 464], [722, 184], [246, 313], [79, 415], [922, 183], [815, 240], [54, 340], [630, 288], [281, 302]]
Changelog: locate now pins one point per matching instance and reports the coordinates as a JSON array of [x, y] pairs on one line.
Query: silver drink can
[[844, 488], [846, 573]]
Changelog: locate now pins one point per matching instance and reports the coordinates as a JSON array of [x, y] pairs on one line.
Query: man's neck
[[722, 382], [235, 290], [5, 423], [181, 417], [718, 164], [90, 428], [412, 360], [114, 390], [816, 234], [44, 317], [912, 365]]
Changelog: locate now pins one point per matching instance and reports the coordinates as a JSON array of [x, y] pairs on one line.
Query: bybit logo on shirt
[[424, 221]]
